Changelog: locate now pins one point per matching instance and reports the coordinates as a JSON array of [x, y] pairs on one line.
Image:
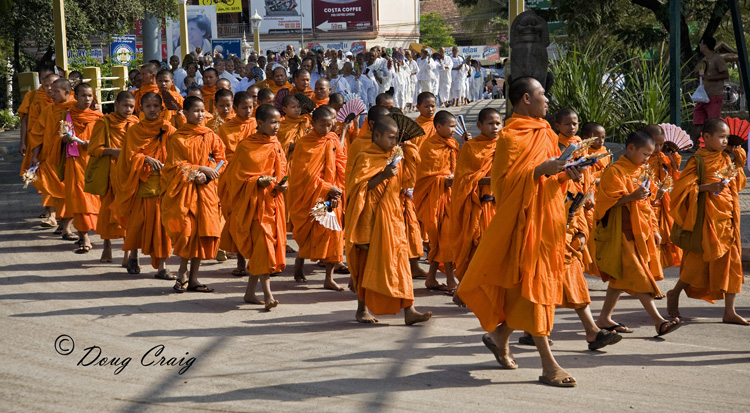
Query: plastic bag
[[700, 95]]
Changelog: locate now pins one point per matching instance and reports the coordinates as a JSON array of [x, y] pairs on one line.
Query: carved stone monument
[[529, 38]]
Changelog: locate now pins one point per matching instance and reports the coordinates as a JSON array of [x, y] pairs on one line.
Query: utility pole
[[675, 8]]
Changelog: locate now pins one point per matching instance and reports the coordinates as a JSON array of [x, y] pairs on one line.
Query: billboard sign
[[224, 6], [122, 49], [345, 46], [283, 16], [202, 28], [227, 47], [96, 54], [483, 52], [342, 15]]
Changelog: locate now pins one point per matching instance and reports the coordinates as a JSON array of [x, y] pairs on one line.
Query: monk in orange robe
[[664, 162], [178, 119], [48, 153], [107, 140], [210, 77], [190, 201], [627, 236], [172, 100], [223, 110], [472, 201], [280, 80], [364, 137], [376, 243], [426, 104], [322, 92], [432, 198], [385, 100], [301, 82], [83, 206], [515, 275], [254, 184], [138, 196], [293, 126], [593, 130], [713, 271], [265, 97], [237, 128], [148, 84], [316, 173]]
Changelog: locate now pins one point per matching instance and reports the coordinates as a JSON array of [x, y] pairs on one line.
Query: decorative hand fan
[[323, 213], [396, 156], [738, 131], [460, 126], [407, 128], [355, 106], [29, 176], [675, 138], [305, 103], [280, 95]]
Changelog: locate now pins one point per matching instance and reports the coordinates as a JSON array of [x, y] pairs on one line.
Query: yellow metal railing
[[92, 75]]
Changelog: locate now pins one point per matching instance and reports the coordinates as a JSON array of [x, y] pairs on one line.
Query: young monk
[[336, 101], [222, 109], [712, 269], [210, 76], [593, 130], [171, 98], [316, 172], [664, 162], [376, 242], [627, 255], [223, 84], [293, 126], [432, 197], [107, 140], [179, 119], [426, 104], [237, 128], [83, 206], [529, 240], [385, 100], [190, 207], [148, 83], [139, 190], [254, 193], [364, 138], [322, 92], [472, 201], [265, 96], [301, 82]]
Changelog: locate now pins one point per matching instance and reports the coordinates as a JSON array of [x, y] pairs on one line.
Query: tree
[[434, 32]]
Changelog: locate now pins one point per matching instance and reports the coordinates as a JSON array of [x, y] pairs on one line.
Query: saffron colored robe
[[718, 271], [589, 261], [107, 226], [641, 264], [432, 197], [290, 130], [83, 206], [209, 93], [257, 219], [413, 231], [380, 274], [428, 126], [515, 275], [190, 211], [470, 212], [662, 167], [317, 164], [138, 196], [33, 111]]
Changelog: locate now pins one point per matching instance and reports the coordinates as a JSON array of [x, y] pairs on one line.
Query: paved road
[[309, 354]]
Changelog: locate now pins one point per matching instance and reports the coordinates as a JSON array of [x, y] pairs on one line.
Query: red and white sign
[[342, 15]]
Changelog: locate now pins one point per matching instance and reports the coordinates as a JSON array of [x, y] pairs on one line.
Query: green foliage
[[8, 120], [434, 32]]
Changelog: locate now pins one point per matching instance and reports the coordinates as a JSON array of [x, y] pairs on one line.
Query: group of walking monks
[[500, 214]]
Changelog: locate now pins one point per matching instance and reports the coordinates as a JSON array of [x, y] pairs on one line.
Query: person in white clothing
[[444, 84], [426, 72], [338, 83], [457, 80], [413, 69], [220, 66]]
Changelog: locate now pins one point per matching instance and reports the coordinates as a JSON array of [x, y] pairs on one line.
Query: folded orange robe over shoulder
[[515, 274], [113, 127], [37, 101], [432, 197], [575, 289], [274, 87], [589, 262], [413, 231], [290, 130], [374, 218], [472, 205], [641, 265], [257, 220], [209, 95], [190, 211], [662, 167], [357, 145], [718, 270], [233, 131], [307, 92], [138, 189], [83, 206], [429, 129], [317, 165]]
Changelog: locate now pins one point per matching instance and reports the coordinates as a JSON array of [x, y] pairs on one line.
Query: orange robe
[[36, 104], [257, 220], [380, 275], [290, 130], [209, 93], [217, 122], [718, 271], [108, 227], [362, 141], [432, 197], [274, 87], [320, 102], [641, 265], [83, 206], [190, 211], [413, 231], [662, 166], [46, 131], [317, 165], [515, 275], [470, 214], [142, 92], [429, 128], [138, 195], [589, 262], [308, 92]]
